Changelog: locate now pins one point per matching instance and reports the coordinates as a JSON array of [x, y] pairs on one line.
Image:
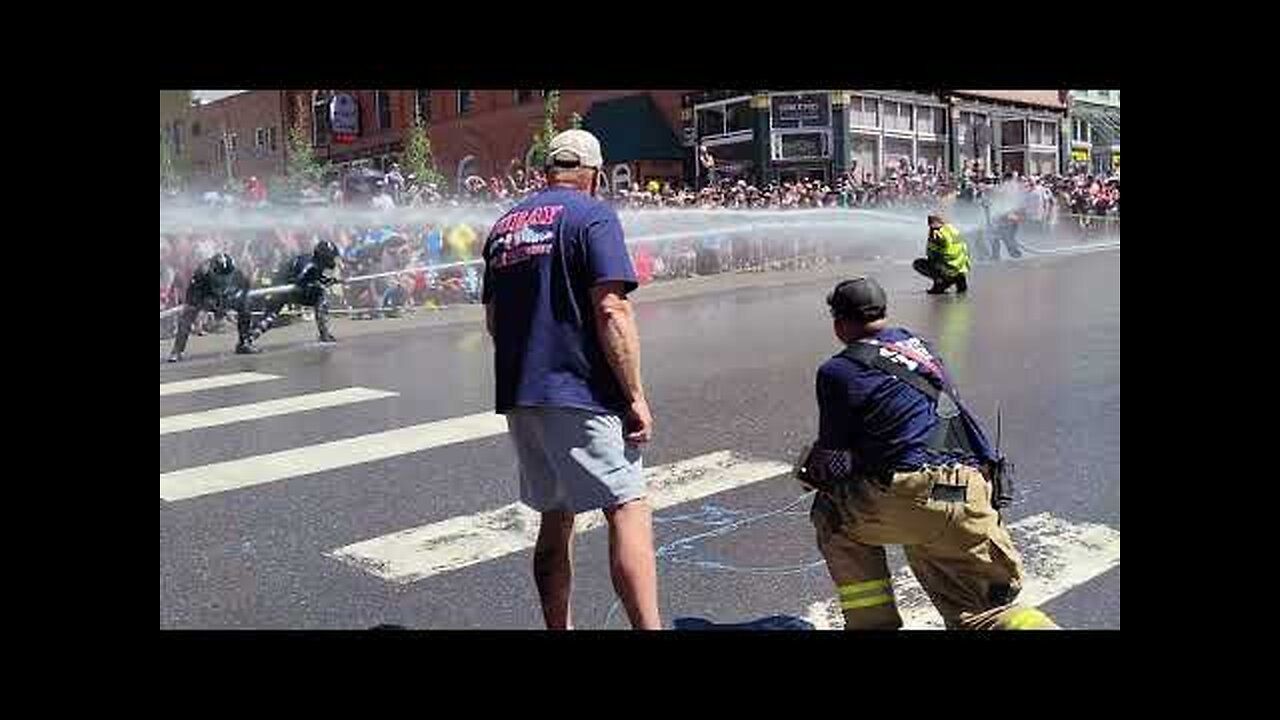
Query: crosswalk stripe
[[1057, 556], [260, 469], [213, 381], [269, 408], [410, 555]]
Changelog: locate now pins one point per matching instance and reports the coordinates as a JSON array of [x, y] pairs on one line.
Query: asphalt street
[[728, 364]]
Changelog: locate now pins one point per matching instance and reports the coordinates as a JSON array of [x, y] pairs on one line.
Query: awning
[[631, 128], [1105, 122]]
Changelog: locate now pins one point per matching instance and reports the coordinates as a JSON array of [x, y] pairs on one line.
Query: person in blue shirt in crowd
[[567, 372], [433, 246]]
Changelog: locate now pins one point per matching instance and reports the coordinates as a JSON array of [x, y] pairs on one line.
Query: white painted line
[[269, 408], [417, 553], [295, 462], [1057, 555], [213, 381]]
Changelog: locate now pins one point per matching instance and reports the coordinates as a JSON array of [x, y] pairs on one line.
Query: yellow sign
[[1115, 162], [1080, 154]]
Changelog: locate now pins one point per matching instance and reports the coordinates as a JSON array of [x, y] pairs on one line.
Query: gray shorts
[[574, 460]]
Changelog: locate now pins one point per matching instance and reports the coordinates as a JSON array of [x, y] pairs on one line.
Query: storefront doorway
[[795, 173]]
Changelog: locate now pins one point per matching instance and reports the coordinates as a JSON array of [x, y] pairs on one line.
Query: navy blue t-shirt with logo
[[884, 421], [541, 260]]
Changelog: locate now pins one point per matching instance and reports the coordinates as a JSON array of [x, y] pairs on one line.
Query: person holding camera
[[708, 163], [899, 461]]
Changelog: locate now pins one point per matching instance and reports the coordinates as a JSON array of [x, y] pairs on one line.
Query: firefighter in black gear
[[216, 286], [306, 273], [1006, 231]]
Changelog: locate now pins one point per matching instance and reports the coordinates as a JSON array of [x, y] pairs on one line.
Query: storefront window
[[895, 151], [711, 121], [794, 146], [864, 112], [1043, 164], [865, 154], [931, 120], [1013, 132], [382, 108], [973, 138], [738, 117], [973, 127], [897, 116], [621, 177], [930, 155], [1050, 133], [1042, 133], [1013, 161], [320, 118], [734, 160]]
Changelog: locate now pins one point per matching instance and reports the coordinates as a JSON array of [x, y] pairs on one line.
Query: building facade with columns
[[769, 136]]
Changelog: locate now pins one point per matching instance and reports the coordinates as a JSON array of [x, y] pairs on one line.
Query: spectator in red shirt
[[643, 262]]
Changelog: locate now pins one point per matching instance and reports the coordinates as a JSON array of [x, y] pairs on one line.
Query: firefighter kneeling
[[306, 273], [216, 286], [898, 461], [947, 258]]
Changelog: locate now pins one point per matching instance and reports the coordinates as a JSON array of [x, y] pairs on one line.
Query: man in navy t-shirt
[[567, 370], [887, 479]]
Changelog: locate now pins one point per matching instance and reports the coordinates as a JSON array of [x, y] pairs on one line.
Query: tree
[[175, 105], [542, 138], [169, 179], [418, 160], [303, 168]]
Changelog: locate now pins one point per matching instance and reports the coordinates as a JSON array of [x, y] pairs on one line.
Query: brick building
[[483, 131], [645, 134], [245, 132]]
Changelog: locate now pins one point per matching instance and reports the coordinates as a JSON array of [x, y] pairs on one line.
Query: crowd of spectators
[[374, 248]]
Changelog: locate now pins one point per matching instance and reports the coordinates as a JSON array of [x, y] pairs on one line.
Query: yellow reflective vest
[[947, 250]]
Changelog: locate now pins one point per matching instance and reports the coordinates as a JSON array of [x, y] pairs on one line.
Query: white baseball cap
[[575, 146]]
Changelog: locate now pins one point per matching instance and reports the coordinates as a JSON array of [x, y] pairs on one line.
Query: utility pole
[[228, 148]]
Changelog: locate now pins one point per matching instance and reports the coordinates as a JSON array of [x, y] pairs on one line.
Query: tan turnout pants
[[954, 542]]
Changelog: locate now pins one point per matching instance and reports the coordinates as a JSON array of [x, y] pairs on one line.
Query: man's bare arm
[[620, 341], [619, 336]]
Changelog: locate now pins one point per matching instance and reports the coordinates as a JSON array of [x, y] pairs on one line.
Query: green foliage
[[418, 160], [542, 138], [302, 168]]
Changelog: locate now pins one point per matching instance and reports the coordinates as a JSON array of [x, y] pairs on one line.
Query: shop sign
[[344, 118], [807, 110]]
